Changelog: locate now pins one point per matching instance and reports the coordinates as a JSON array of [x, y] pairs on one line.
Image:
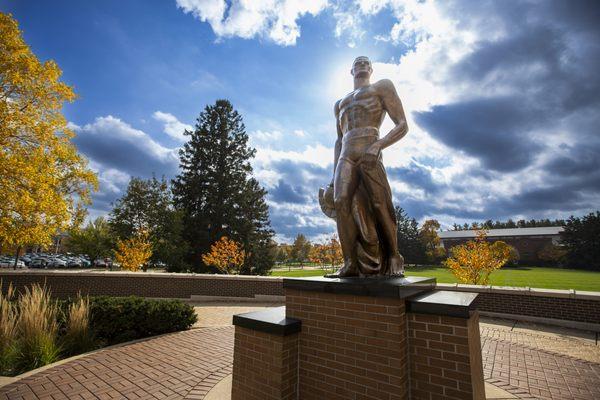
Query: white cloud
[[172, 126], [348, 24], [205, 80], [265, 136], [317, 154], [111, 180], [116, 152], [300, 133], [116, 132], [272, 19]]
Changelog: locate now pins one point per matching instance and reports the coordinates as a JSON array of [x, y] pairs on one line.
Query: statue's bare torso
[[360, 115], [362, 108]]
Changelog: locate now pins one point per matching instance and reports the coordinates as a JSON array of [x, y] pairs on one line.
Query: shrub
[[474, 261], [552, 255], [514, 256], [120, 319]]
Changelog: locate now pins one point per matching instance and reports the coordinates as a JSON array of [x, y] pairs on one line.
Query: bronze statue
[[359, 196]]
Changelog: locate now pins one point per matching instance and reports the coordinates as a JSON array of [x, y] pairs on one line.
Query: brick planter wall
[[569, 305], [265, 366], [165, 285]]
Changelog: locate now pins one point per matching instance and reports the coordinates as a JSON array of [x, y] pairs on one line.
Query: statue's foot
[[347, 270], [396, 265]]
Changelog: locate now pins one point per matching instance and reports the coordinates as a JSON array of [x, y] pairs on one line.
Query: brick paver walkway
[[186, 365], [183, 365], [539, 365]]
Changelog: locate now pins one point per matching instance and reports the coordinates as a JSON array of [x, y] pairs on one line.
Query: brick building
[[528, 241]]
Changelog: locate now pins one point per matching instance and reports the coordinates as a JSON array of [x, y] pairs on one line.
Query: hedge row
[[120, 319]]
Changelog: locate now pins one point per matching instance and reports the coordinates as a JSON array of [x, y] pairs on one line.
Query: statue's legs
[[344, 186], [375, 180]]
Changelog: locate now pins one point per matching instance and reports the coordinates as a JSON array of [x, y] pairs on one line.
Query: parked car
[[5, 262], [9, 262], [39, 262], [99, 262], [74, 262], [56, 262]]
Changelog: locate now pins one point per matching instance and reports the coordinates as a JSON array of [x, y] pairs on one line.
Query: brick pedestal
[[265, 357], [351, 347], [445, 357], [390, 339]]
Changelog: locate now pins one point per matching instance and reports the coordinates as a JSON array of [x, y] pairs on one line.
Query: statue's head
[[361, 67]]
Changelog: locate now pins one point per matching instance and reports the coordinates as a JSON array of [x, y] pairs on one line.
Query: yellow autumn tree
[[428, 234], [226, 255], [134, 252], [474, 261], [42, 177]]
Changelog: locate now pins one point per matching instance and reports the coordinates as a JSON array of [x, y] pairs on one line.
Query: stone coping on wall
[[272, 320], [524, 291], [176, 275], [443, 302]]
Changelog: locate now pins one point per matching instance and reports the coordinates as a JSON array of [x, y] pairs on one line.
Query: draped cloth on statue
[[373, 191]]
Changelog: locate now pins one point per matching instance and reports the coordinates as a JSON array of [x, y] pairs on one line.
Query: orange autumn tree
[[317, 254], [333, 252], [134, 252], [474, 261], [226, 255], [329, 252]]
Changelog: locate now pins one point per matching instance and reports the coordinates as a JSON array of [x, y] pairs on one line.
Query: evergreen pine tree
[[216, 192], [581, 240], [409, 244]]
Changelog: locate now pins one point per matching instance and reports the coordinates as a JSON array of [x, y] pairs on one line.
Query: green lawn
[[538, 277]]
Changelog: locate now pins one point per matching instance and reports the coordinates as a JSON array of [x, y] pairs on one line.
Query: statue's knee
[[342, 204]]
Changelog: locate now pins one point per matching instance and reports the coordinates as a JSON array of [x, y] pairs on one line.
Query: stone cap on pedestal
[[394, 287], [443, 302], [272, 320]]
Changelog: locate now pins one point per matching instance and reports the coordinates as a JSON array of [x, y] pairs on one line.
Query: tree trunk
[[17, 257]]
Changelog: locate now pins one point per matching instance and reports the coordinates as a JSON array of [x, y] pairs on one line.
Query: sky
[[502, 97]]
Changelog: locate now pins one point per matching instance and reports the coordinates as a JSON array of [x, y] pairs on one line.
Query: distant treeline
[[489, 224]]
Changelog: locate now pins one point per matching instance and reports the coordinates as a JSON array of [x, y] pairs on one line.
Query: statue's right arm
[[338, 142]]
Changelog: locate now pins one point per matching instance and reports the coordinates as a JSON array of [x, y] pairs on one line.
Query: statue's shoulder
[[384, 84], [336, 107]]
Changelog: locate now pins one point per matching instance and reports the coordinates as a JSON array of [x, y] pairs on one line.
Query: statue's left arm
[[393, 106]]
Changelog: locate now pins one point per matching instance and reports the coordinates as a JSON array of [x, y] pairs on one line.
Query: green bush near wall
[[120, 319]]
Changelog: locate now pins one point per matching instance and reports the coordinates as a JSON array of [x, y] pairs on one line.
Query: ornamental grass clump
[[37, 329], [78, 337], [8, 331]]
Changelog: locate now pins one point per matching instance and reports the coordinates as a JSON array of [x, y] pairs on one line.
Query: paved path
[[183, 365], [530, 363], [524, 361]]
